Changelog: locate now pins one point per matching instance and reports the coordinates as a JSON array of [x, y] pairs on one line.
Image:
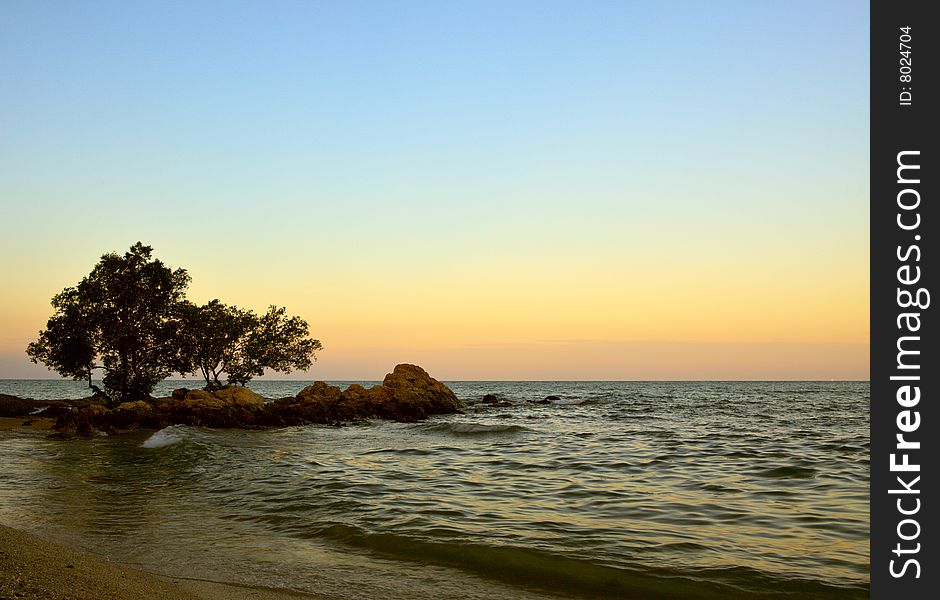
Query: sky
[[492, 190]]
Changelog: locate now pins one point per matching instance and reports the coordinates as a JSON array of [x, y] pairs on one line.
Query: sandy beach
[[33, 568]]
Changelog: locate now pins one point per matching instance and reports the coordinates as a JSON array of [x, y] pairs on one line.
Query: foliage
[[226, 339], [125, 314], [129, 317], [214, 336], [279, 343], [67, 345]]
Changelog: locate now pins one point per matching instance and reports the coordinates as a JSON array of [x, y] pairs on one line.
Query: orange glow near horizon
[[636, 322]]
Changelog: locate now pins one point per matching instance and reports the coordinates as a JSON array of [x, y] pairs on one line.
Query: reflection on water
[[620, 490]]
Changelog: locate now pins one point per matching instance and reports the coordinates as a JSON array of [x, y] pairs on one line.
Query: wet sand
[[33, 568]]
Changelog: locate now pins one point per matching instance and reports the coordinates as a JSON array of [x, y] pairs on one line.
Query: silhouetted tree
[[215, 335], [126, 314], [225, 339]]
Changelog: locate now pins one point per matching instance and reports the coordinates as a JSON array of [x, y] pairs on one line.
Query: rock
[[407, 394], [314, 404], [241, 397], [320, 391], [135, 415], [84, 421], [14, 406], [361, 403], [228, 407], [490, 399], [552, 398], [136, 408], [85, 429], [417, 395]]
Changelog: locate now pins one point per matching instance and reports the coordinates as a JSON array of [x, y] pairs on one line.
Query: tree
[[225, 339], [126, 314], [279, 343], [67, 345], [215, 335]]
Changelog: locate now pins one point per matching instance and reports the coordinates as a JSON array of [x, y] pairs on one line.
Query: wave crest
[[476, 428], [570, 401], [166, 437]]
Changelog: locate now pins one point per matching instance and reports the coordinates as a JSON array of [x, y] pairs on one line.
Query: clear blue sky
[[325, 151]]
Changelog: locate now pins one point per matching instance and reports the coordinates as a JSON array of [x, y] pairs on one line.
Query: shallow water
[[621, 490]]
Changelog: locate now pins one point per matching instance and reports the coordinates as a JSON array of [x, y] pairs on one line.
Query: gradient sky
[[493, 190]]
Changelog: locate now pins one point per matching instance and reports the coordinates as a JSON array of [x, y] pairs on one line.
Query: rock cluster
[[13, 406], [406, 394]]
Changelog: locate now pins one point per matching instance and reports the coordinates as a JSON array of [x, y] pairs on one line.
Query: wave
[[475, 428], [540, 569], [792, 472], [570, 401], [166, 437]]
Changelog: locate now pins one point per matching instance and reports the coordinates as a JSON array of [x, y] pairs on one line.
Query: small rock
[[490, 399]]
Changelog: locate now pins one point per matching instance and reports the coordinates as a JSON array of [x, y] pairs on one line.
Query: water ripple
[[661, 489]]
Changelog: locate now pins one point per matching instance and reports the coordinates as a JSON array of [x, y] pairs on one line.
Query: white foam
[[165, 437], [570, 401]]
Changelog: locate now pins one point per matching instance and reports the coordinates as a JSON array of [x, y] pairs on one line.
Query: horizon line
[[515, 380]]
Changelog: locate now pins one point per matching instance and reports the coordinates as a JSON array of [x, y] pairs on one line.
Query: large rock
[[228, 407], [417, 395], [84, 420], [406, 394], [135, 415], [314, 404], [13, 406]]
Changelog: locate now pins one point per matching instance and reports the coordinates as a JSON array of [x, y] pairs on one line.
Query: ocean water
[[617, 490]]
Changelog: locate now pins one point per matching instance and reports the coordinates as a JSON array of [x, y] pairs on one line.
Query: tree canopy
[[228, 340], [129, 317]]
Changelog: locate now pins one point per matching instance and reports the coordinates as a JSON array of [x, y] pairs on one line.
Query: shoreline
[[34, 568]]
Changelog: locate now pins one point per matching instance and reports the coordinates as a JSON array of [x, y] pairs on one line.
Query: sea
[[612, 490]]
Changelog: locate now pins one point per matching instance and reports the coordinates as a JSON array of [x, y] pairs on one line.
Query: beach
[[33, 568]]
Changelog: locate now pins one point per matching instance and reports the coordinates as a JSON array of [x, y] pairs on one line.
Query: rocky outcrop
[[83, 421], [407, 394], [417, 394], [13, 406], [228, 407]]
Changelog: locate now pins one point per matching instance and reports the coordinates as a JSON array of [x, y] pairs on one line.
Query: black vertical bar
[[903, 224]]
